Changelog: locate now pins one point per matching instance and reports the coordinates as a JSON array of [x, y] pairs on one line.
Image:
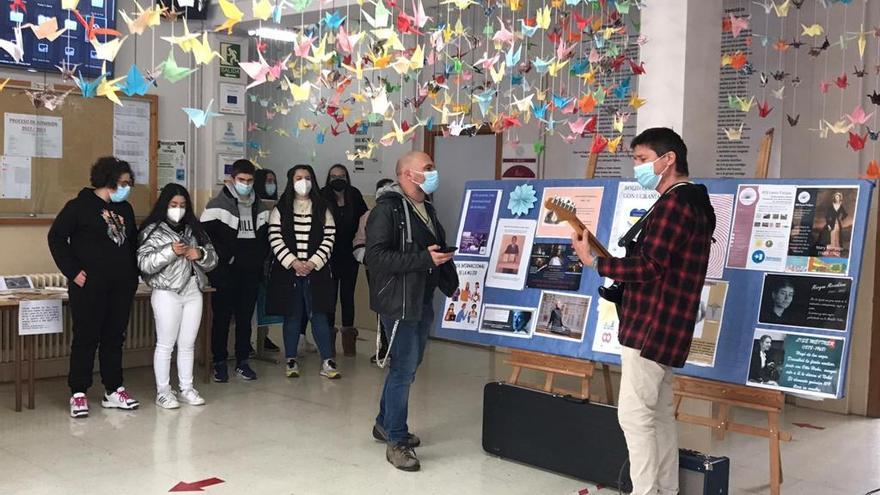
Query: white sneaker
[[119, 400], [191, 396], [79, 405], [167, 400], [328, 369], [291, 369]]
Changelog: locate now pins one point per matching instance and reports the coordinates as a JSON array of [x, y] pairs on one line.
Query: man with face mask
[[407, 255], [238, 227], [663, 274]]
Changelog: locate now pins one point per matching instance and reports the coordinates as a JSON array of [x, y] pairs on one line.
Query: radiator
[[53, 350]]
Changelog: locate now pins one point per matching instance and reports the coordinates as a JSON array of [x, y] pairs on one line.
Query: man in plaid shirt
[[663, 274]]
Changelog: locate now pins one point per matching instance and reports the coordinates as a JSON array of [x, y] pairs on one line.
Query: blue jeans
[[293, 323], [406, 354]]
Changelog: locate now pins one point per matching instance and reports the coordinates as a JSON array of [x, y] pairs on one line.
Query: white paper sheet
[[508, 266], [131, 137], [39, 317], [32, 135], [15, 177]]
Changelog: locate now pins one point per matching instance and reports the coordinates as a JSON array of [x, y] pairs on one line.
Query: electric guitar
[[566, 211]]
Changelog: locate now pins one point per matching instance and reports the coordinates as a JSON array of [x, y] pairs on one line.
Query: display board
[[52, 151], [785, 265]]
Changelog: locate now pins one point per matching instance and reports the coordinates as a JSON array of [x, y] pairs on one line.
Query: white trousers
[[647, 417], [178, 317]]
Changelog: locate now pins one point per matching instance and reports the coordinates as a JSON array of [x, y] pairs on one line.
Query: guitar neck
[[582, 230]]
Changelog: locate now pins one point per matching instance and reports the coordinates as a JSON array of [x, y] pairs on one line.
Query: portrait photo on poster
[[562, 316], [462, 310], [509, 321], [761, 226], [796, 362], [586, 202], [806, 301], [510, 253], [821, 230], [554, 266], [478, 217]]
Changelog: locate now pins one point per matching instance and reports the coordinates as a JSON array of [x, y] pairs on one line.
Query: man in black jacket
[[238, 226], [407, 259]]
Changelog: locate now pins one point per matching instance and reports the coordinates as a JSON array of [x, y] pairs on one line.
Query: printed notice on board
[[796, 362], [131, 137], [39, 317], [761, 227], [36, 136], [15, 177]]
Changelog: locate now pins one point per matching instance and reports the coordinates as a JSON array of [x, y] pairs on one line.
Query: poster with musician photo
[[478, 217], [585, 202], [508, 321], [806, 301], [462, 310], [562, 316], [554, 266], [796, 362], [821, 229], [508, 265]]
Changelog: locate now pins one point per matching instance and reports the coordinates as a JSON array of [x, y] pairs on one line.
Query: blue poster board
[[743, 298]]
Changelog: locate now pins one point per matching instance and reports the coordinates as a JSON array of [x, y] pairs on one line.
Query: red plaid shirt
[[664, 276]]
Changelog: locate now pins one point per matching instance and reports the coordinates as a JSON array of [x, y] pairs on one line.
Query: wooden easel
[[727, 395]]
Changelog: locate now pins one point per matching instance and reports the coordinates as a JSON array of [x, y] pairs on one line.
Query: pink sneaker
[[79, 405]]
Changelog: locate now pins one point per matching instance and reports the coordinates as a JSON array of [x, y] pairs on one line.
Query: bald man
[[407, 257]]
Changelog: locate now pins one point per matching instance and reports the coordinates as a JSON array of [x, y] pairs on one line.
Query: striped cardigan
[[302, 210]]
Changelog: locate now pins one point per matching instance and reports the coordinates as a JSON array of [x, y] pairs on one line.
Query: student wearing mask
[[301, 236], [407, 262], [174, 254], [237, 225], [93, 241], [348, 206], [266, 189]]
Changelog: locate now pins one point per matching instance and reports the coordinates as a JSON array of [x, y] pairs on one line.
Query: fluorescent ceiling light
[[270, 33]]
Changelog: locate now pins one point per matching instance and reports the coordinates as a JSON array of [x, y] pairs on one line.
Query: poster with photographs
[[562, 316], [723, 206], [707, 329], [633, 202], [509, 321], [478, 218], [607, 325], [586, 202], [761, 227], [462, 310], [821, 230], [510, 253], [796, 362], [805, 301], [554, 266]]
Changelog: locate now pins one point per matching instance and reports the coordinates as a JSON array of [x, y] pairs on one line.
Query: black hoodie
[[96, 236]]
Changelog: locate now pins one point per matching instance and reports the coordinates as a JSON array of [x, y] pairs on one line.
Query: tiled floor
[[312, 436]]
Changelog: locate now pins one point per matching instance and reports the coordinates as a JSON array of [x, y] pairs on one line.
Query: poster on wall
[[508, 265], [171, 164], [224, 166], [633, 202], [478, 217], [707, 329], [723, 206], [607, 325], [229, 136], [462, 310], [15, 177], [821, 230], [562, 316], [554, 266], [232, 98], [36, 136], [796, 362], [508, 321], [586, 201], [805, 301], [131, 137], [519, 161], [761, 227]]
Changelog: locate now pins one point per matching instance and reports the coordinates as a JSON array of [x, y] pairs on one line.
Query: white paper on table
[[39, 316], [15, 177], [32, 135]]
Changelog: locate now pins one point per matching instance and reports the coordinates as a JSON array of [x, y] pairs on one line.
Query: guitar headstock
[[564, 209]]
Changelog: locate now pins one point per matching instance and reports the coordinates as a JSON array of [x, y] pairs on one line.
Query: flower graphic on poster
[[522, 200]]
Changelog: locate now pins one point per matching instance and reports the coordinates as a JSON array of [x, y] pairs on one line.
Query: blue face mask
[[243, 189], [432, 181], [271, 189], [645, 175], [120, 194]]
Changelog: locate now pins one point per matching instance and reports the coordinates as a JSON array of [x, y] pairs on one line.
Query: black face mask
[[338, 184]]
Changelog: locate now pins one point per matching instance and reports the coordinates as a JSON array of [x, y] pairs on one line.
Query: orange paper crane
[[92, 30], [873, 171]]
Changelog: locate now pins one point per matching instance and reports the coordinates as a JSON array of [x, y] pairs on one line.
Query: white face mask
[[175, 214], [303, 187]]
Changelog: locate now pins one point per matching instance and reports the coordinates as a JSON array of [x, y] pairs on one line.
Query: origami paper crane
[[734, 134], [527, 31], [14, 49], [171, 71], [143, 20], [184, 41], [738, 24], [48, 30], [200, 117], [542, 17], [107, 51], [484, 99], [858, 116], [92, 30], [86, 87], [135, 84], [108, 89], [299, 92], [202, 51], [812, 30], [839, 127], [793, 121], [381, 15], [857, 142], [233, 15]]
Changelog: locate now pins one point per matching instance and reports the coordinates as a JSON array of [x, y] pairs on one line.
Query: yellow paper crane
[[734, 134], [461, 4], [782, 9], [498, 75], [233, 15], [262, 9], [184, 41], [417, 60], [814, 30], [299, 92], [398, 134], [69, 4], [109, 88], [614, 143], [543, 17], [635, 102], [202, 50], [555, 67], [319, 53], [839, 127], [107, 51], [144, 19]]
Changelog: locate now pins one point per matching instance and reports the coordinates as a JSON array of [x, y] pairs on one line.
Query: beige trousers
[[647, 417]]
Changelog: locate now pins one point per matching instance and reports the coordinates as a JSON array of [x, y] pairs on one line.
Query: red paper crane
[[17, 5], [842, 82], [406, 24], [91, 29], [582, 22], [637, 69], [353, 129], [857, 142], [764, 109], [591, 124], [873, 171], [599, 144], [334, 129]]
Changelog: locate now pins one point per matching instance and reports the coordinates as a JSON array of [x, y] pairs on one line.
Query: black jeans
[[100, 312], [238, 299], [346, 281]]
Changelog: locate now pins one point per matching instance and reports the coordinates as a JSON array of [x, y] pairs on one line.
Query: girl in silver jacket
[[174, 254]]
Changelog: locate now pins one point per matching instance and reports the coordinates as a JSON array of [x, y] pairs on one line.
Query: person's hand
[[193, 254], [438, 257], [301, 268], [179, 248], [582, 247], [307, 268], [80, 279]]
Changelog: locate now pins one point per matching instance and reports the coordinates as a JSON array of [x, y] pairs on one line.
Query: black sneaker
[[270, 346], [402, 457], [221, 373], [411, 441], [245, 372]]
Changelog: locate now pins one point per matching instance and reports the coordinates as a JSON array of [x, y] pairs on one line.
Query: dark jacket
[[402, 273], [98, 237], [347, 218], [220, 219]]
